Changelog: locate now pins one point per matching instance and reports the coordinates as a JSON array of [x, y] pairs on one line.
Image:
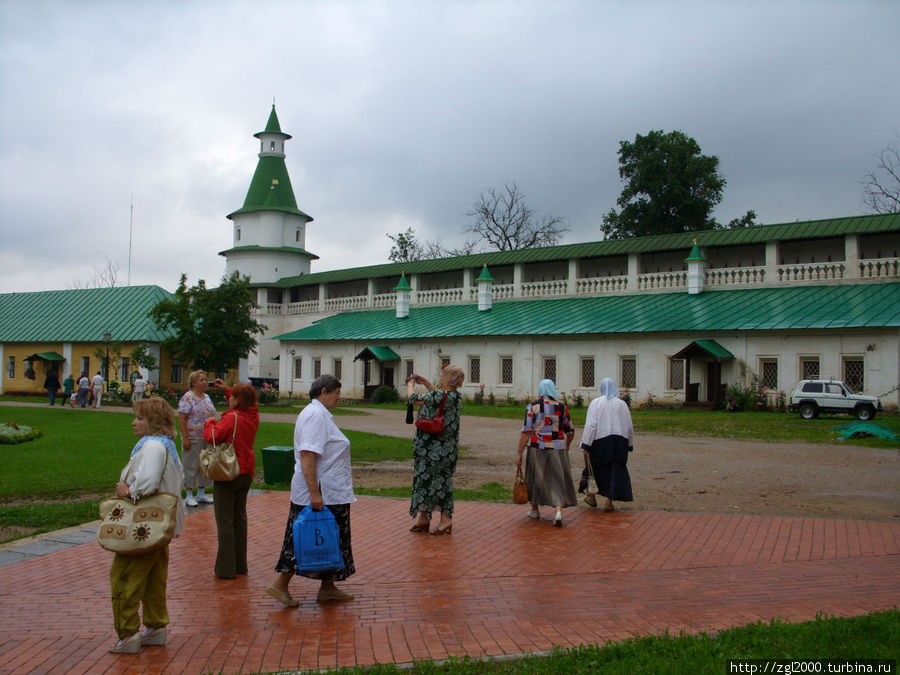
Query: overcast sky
[[403, 112]]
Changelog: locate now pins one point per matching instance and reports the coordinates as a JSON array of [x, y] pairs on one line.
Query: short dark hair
[[326, 383]]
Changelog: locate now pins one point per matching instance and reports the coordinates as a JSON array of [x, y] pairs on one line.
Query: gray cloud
[[402, 112]]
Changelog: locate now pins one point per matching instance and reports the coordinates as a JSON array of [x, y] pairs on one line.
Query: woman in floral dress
[[435, 455]]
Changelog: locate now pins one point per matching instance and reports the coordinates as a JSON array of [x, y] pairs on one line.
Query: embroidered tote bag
[[133, 528], [317, 545]]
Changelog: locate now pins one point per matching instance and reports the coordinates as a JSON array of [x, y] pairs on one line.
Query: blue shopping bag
[[317, 543]]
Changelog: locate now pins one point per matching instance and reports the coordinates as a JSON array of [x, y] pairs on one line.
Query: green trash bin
[[278, 464]]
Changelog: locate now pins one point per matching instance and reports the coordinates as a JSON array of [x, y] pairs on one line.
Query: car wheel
[[809, 411], [864, 413]]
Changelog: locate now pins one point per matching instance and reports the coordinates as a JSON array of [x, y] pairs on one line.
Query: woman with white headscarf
[[608, 438], [548, 433]]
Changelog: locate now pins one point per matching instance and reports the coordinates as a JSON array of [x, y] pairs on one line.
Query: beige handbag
[[133, 528], [220, 461]]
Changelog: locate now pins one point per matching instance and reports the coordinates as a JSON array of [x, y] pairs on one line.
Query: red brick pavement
[[501, 584]]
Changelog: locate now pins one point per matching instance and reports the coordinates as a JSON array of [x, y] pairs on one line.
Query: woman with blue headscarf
[[547, 432], [608, 438]]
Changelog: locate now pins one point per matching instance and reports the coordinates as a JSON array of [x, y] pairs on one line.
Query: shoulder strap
[[441, 408]]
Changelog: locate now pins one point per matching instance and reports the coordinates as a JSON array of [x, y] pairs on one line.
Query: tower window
[[238, 234], [298, 235], [272, 146]]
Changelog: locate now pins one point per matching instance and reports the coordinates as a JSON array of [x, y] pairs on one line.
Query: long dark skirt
[[549, 477], [288, 563], [609, 457]]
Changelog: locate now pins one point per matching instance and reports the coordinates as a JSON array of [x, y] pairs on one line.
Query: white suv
[[811, 397]]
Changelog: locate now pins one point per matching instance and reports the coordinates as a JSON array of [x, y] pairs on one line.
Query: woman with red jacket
[[240, 422]]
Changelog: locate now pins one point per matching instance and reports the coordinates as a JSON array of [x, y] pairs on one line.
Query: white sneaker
[[129, 645], [534, 513], [204, 499], [153, 636], [190, 501]]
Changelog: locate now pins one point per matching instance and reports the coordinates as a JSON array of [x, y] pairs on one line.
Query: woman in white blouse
[[321, 478], [607, 440]]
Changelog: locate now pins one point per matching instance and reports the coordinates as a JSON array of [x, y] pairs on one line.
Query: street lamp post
[[106, 338]]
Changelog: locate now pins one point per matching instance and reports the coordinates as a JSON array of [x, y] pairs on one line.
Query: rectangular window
[[410, 368], [10, 367], [474, 369], [550, 368], [809, 369], [317, 368], [768, 373], [445, 361], [176, 374], [506, 370], [854, 373], [238, 234], [298, 368], [124, 367], [86, 365], [676, 373], [337, 366], [587, 371], [629, 372], [367, 372]]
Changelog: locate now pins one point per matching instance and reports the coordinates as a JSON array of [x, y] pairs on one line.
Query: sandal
[[420, 528], [443, 530], [282, 596]]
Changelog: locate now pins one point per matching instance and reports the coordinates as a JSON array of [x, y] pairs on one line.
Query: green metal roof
[[282, 249], [46, 356], [747, 235], [82, 315], [794, 308], [704, 348], [271, 176], [272, 125], [380, 353]]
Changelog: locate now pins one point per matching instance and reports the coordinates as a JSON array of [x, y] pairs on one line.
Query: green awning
[[700, 349], [379, 353], [46, 356]]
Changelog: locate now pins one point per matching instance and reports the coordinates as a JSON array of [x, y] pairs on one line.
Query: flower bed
[[11, 433]]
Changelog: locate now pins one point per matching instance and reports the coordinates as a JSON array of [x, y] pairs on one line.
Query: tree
[[141, 357], [213, 327], [881, 188], [504, 221], [103, 277], [669, 187], [406, 247]]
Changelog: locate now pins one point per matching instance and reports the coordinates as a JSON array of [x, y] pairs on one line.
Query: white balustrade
[[735, 276], [539, 289], [439, 296], [657, 280], [811, 271], [879, 268], [597, 285]]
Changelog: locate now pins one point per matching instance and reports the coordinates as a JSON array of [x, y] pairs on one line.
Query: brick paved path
[[501, 584]]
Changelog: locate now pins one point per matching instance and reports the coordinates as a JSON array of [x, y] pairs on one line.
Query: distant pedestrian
[[194, 408], [84, 386], [139, 387], [98, 389], [51, 384], [69, 389]]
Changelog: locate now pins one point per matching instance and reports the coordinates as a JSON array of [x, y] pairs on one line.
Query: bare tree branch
[[506, 223], [881, 189]]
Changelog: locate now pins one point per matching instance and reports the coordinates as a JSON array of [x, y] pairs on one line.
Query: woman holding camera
[[435, 454]]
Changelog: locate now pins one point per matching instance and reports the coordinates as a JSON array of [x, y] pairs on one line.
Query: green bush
[[385, 394]]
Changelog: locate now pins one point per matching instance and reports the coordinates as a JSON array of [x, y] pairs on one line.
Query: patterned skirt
[[288, 563], [549, 477]]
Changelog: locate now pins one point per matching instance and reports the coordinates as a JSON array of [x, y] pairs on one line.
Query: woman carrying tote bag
[[137, 580], [240, 422]]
